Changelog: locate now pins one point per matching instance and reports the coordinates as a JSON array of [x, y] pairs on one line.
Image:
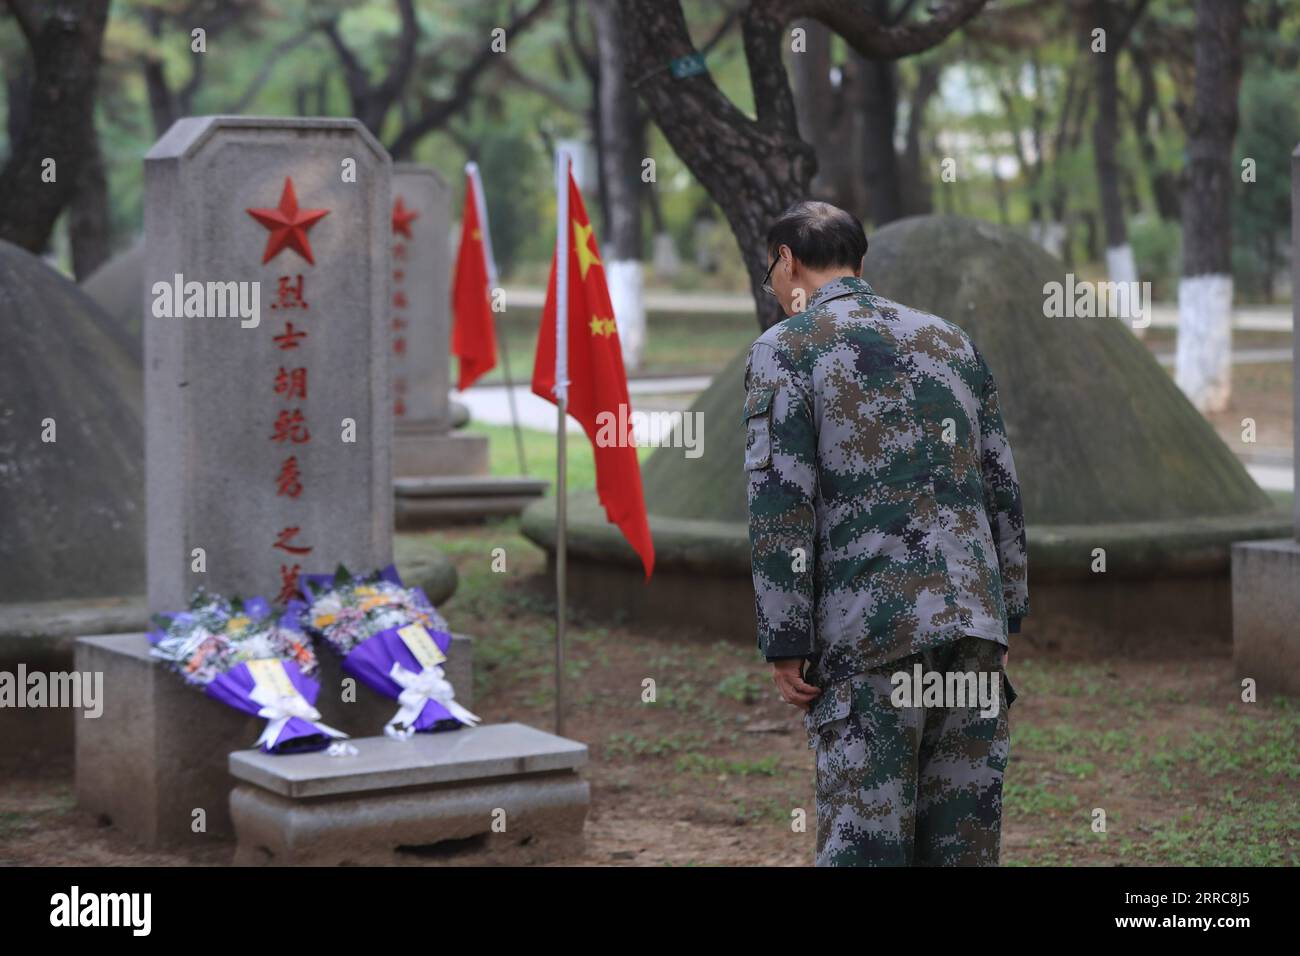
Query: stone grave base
[[432, 501], [41, 637], [499, 793], [159, 750], [1266, 614], [424, 449]]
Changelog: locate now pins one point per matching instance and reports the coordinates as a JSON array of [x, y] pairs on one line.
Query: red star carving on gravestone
[[288, 225], [402, 218]]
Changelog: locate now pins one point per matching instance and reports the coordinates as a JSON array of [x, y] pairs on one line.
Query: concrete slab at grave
[[1266, 614], [1266, 574], [503, 793], [428, 502], [159, 750]]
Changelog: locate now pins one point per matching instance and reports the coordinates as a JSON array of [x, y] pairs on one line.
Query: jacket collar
[[839, 287]]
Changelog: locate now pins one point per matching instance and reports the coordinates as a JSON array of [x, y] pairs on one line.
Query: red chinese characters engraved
[[289, 482], [290, 425], [291, 383], [289, 338], [289, 294], [288, 225], [284, 541], [288, 583]]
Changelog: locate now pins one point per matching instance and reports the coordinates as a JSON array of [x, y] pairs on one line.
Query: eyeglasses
[[766, 286]]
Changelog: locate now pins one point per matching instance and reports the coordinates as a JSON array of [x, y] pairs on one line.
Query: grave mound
[[1110, 455]]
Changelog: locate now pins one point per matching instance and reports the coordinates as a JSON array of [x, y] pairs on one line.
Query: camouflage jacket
[[884, 511]]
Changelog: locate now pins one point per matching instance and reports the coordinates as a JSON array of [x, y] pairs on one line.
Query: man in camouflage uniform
[[886, 531]]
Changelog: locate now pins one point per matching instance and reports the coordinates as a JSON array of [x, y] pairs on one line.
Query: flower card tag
[[421, 645], [268, 673]]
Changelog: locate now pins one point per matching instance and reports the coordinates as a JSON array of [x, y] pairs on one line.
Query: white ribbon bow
[[280, 709], [418, 689]]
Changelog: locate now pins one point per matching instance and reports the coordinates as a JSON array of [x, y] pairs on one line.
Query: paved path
[[1258, 318], [490, 404], [1239, 357]]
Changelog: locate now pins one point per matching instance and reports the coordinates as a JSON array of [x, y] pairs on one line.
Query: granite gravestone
[[266, 436], [425, 442], [268, 427]]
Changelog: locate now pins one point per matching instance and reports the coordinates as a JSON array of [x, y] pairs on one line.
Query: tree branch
[[439, 111], [763, 33], [393, 83], [268, 67], [864, 31], [26, 18]]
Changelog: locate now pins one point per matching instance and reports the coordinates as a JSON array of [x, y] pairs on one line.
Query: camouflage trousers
[[911, 785]]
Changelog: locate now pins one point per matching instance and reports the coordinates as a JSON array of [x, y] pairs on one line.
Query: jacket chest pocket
[[758, 428]]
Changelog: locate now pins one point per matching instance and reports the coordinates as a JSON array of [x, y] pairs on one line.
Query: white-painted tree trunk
[[1120, 266], [627, 294], [1203, 362], [1049, 235], [667, 263]]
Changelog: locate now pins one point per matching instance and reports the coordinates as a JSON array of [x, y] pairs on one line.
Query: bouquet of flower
[[239, 653], [391, 639]]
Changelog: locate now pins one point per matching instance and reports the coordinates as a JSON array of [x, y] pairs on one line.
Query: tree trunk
[[826, 121], [916, 189], [162, 104], [752, 169], [1164, 183], [65, 46], [89, 225], [620, 161], [1105, 133], [1204, 357], [879, 157]]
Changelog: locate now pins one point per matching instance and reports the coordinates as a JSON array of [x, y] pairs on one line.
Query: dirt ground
[[716, 769]]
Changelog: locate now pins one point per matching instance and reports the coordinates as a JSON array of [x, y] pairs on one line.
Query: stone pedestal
[[434, 501], [494, 793], [423, 450], [158, 751], [1266, 614]]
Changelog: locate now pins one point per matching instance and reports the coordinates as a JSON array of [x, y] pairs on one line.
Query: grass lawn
[[541, 454]]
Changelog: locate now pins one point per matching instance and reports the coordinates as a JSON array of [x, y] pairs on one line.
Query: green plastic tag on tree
[[684, 66]]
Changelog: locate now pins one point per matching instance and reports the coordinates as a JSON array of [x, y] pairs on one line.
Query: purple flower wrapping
[[234, 688], [371, 662]]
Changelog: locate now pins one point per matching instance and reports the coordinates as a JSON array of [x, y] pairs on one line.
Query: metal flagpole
[[562, 401], [510, 395], [560, 558], [480, 204]]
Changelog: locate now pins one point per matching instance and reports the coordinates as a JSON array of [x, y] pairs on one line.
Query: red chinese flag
[[473, 339], [597, 384]]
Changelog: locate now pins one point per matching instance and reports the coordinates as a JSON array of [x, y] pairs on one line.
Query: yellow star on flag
[[585, 256], [601, 326]]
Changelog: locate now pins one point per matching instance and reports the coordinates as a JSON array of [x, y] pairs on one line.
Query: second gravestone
[[424, 441]]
